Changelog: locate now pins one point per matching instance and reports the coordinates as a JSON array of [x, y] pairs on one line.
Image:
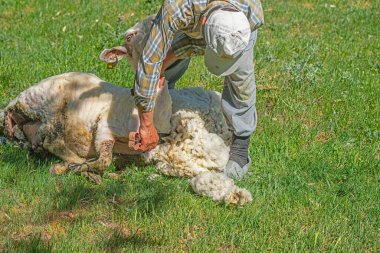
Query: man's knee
[[238, 103], [240, 90]]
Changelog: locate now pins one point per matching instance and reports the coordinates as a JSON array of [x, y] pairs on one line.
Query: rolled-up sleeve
[[155, 50]]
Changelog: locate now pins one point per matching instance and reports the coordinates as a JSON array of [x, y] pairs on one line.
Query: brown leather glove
[[147, 132]]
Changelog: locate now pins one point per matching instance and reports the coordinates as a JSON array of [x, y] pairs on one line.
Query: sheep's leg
[[91, 168], [53, 142], [94, 169], [30, 130], [9, 124], [69, 157], [104, 142], [58, 148], [99, 165]]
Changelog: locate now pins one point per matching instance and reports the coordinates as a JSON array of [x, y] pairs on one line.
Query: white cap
[[227, 35]]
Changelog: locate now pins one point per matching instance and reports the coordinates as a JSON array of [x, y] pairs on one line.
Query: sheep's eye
[[129, 37]]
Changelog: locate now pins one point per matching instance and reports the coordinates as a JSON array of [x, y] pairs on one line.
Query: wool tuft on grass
[[220, 188]]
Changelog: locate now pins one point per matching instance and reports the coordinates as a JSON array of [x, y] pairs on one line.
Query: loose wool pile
[[198, 146], [192, 151]]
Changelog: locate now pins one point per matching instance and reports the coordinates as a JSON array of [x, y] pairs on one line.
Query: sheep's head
[[134, 42]]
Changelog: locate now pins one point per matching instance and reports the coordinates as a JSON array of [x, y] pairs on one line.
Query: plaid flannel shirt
[[185, 16]]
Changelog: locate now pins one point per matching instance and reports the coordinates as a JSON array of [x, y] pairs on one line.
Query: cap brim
[[221, 66]]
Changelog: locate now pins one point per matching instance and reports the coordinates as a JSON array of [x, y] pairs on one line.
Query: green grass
[[315, 178]]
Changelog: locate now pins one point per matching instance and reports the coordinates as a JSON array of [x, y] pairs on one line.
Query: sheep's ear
[[114, 54]]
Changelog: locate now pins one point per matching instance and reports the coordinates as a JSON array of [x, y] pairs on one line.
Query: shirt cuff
[[145, 94], [147, 105]]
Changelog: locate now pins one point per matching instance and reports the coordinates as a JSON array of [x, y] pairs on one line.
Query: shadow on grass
[[118, 241], [24, 159], [74, 195], [131, 192], [32, 245]]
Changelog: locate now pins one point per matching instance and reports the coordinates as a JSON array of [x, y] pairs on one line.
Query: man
[[225, 32]]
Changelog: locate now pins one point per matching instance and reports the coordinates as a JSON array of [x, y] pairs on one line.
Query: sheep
[[77, 116], [84, 121], [81, 111]]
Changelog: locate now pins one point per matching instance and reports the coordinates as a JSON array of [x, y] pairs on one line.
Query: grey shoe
[[234, 171]]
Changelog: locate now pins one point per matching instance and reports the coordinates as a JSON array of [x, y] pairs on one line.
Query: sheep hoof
[[153, 176], [3, 140], [58, 169], [95, 178], [114, 176], [81, 167]]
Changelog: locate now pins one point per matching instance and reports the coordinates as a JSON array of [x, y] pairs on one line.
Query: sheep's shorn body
[[77, 117]]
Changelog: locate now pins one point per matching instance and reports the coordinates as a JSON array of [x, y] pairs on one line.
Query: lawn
[[315, 177]]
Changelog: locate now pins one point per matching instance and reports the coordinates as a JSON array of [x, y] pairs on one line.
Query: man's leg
[[238, 104], [175, 71]]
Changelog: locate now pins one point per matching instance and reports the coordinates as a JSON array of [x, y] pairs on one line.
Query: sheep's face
[[137, 34], [134, 41]]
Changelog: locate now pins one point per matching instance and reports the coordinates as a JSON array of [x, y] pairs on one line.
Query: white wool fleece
[[190, 148], [199, 135]]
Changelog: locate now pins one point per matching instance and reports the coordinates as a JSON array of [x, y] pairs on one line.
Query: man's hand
[[147, 132]]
